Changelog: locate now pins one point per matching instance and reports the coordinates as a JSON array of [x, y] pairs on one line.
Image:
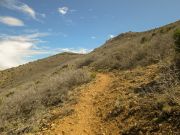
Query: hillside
[[132, 49], [128, 86], [32, 70]]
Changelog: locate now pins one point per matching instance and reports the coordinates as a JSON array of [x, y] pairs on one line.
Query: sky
[[34, 29]]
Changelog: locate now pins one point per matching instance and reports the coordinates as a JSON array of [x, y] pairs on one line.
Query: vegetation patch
[[23, 110], [143, 40], [177, 39]]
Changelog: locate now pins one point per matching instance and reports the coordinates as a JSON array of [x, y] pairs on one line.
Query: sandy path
[[84, 120]]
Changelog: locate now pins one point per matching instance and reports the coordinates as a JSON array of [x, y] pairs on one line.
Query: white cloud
[[11, 21], [73, 50], [26, 9], [19, 6], [111, 36], [70, 50], [17, 50], [14, 49], [63, 10]]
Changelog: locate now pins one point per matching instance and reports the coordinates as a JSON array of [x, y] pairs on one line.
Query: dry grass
[[169, 83], [154, 109], [130, 50], [23, 110], [33, 70]]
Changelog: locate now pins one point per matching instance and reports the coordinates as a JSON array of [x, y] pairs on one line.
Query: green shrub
[[93, 75], [177, 39], [162, 31], [84, 62], [153, 34], [0, 101], [143, 40], [169, 28], [177, 47]]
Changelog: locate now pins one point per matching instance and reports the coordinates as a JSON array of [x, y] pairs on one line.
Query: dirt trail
[[84, 120]]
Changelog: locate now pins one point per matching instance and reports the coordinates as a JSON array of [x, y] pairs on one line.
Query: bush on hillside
[[143, 40], [80, 63], [177, 39], [177, 47]]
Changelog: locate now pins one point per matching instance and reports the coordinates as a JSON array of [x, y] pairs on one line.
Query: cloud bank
[[14, 49], [74, 50], [11, 21]]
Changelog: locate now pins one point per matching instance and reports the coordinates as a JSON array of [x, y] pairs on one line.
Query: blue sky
[[33, 29]]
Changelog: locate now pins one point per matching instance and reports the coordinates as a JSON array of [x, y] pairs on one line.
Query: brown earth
[[84, 120]]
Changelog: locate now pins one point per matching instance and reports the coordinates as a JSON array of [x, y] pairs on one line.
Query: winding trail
[[84, 120]]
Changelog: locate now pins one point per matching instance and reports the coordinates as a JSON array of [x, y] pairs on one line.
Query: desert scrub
[[93, 75], [84, 62], [143, 40], [177, 47], [177, 39], [1, 101], [24, 109]]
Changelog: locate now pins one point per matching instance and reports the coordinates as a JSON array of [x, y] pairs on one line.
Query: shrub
[[93, 75], [143, 40], [0, 101], [169, 83], [177, 47], [84, 62], [153, 34], [177, 39], [162, 31]]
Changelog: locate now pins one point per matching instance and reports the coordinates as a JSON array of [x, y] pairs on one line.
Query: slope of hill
[[142, 98], [32, 70], [134, 49]]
